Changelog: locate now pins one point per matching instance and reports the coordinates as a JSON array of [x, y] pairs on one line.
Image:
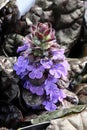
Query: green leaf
[[58, 113]]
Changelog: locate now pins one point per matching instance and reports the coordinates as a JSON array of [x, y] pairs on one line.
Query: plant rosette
[[40, 66]]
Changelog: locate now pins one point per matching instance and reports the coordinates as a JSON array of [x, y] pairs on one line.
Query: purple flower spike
[[40, 66], [46, 63]]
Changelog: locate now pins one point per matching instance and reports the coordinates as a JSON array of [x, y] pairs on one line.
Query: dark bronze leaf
[[10, 115], [9, 89], [30, 99], [11, 43]]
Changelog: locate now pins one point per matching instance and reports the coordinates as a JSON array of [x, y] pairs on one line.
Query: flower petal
[[32, 75], [49, 106], [38, 75], [46, 63], [22, 48], [30, 67]]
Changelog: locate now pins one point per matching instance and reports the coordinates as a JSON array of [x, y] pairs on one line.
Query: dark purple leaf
[[31, 100], [10, 115]]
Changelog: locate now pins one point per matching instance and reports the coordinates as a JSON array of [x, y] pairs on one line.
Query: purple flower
[[38, 90], [21, 66], [54, 97], [51, 79], [22, 48], [46, 63], [57, 96], [55, 71], [53, 91], [59, 70], [50, 106], [61, 95], [23, 74], [58, 54], [35, 71], [50, 88]]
